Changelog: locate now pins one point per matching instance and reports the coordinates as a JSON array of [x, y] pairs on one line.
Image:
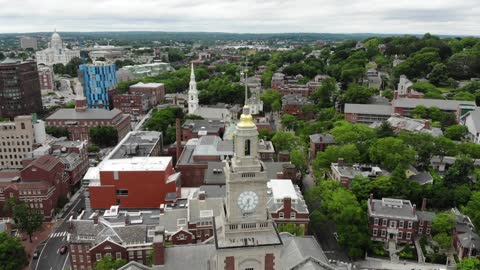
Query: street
[[49, 258]]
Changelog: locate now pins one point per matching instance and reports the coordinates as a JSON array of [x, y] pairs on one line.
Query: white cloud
[[329, 16]]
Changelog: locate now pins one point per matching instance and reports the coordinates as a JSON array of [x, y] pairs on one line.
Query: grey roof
[[375, 109], [422, 178], [425, 215], [395, 208], [204, 125], [138, 144], [198, 208], [85, 231], [212, 191], [303, 253], [475, 117], [448, 105], [325, 138], [188, 257], [294, 100], [469, 239], [133, 265], [212, 113], [169, 219], [213, 146], [214, 174], [71, 114]]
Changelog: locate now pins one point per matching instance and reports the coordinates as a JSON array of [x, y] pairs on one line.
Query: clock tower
[[245, 235]]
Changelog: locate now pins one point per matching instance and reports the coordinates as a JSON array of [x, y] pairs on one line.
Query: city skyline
[[249, 16]]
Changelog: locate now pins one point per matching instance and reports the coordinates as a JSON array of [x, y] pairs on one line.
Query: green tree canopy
[[286, 141], [469, 264], [28, 220], [456, 132], [390, 152], [270, 97], [472, 209], [357, 94], [109, 263], [12, 253], [104, 136]]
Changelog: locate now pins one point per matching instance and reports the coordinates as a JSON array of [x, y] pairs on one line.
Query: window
[[421, 222], [130, 254], [122, 192], [393, 224], [410, 224], [428, 231], [293, 215], [250, 268], [420, 230], [384, 233], [375, 221], [384, 222], [375, 231], [400, 235], [81, 258], [118, 255], [74, 258], [247, 147], [400, 224], [98, 256], [115, 175], [139, 254], [72, 248], [280, 215], [409, 235], [181, 237]]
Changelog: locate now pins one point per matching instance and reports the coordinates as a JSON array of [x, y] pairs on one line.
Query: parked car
[[63, 250], [35, 255]]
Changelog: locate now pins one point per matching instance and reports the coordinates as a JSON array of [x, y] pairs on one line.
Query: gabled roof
[[45, 162]]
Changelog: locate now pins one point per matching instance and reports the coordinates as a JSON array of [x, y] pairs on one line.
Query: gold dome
[[246, 119]]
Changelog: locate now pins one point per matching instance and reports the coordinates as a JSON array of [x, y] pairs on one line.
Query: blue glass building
[[97, 79]]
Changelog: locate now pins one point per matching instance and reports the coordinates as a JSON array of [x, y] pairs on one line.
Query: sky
[[456, 17]]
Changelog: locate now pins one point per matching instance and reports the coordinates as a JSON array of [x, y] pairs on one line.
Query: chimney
[[395, 95], [372, 205], [341, 162], [162, 208], [414, 211], [424, 204], [201, 195], [428, 124], [127, 219], [320, 138], [179, 139], [287, 203], [95, 218], [159, 246]]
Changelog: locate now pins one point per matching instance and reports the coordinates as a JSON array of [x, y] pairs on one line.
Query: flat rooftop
[[136, 144], [137, 164], [282, 188]]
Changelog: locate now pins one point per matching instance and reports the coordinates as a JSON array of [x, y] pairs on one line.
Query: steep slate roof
[[133, 265], [326, 138], [45, 162], [475, 116]]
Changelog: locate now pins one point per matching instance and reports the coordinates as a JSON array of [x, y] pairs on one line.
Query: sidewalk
[[37, 238]]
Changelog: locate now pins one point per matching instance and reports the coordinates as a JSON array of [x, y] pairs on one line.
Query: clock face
[[247, 201]]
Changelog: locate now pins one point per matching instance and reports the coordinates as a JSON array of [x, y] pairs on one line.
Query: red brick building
[[397, 220], [80, 120], [293, 105], [138, 182], [40, 184], [319, 142], [195, 157], [91, 240], [45, 76], [286, 204], [74, 155], [134, 104], [154, 91]]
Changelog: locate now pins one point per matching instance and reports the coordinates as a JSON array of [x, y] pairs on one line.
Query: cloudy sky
[[245, 16]]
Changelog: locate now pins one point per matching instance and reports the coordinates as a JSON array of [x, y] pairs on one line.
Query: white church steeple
[[192, 93]]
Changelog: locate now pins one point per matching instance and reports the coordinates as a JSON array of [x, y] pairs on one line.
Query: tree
[[420, 112], [443, 223], [390, 152], [357, 94], [472, 209], [289, 121], [444, 147], [346, 133], [439, 75], [447, 119], [444, 240], [385, 130], [292, 228], [323, 96], [456, 132], [298, 158], [469, 264], [349, 153], [459, 173], [104, 136], [109, 263], [269, 98], [286, 141], [28, 220], [57, 132], [12, 253]]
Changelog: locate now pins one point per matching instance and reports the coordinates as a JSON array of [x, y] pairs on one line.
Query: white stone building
[[56, 53]]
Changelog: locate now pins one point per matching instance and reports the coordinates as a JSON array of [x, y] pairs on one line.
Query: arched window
[[247, 147], [23, 125]]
